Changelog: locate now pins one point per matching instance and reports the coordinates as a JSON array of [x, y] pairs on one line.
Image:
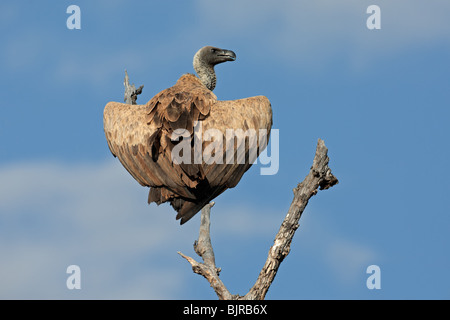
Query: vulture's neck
[[205, 72]]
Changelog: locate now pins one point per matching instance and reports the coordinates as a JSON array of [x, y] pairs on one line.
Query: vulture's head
[[204, 61], [211, 56]]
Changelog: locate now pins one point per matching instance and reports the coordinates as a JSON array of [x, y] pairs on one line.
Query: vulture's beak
[[227, 55]]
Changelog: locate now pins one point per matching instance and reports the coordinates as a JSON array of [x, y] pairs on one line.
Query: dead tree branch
[[319, 178], [204, 249], [131, 92]]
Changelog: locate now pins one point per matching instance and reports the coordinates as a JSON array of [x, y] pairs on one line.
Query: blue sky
[[379, 99]]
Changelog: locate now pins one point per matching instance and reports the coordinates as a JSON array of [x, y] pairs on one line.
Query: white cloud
[[303, 34], [53, 215], [96, 216], [349, 260], [345, 258], [311, 33], [306, 34]]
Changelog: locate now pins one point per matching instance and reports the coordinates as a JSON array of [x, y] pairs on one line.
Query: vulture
[[163, 143]]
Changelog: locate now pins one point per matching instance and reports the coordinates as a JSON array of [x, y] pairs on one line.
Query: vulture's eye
[[213, 50]]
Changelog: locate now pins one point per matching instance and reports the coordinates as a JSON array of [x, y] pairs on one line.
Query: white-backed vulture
[[144, 136]]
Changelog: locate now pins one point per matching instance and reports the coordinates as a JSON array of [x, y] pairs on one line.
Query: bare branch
[[203, 246], [319, 178], [131, 92], [204, 249]]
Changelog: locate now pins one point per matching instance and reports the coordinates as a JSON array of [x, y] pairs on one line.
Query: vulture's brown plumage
[[141, 136]]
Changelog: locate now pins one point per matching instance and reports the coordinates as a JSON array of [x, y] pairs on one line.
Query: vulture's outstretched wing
[[141, 136]]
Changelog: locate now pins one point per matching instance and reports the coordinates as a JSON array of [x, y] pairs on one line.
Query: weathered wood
[[319, 178], [131, 92], [204, 249], [203, 246]]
